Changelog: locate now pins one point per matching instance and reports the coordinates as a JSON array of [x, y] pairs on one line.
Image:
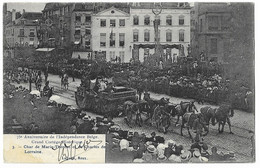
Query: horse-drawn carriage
[[104, 102]]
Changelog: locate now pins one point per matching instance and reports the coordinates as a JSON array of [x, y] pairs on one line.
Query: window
[[88, 31], [87, 43], [213, 46], [146, 52], [121, 39], [21, 32], [112, 55], [112, 39], [168, 36], [31, 39], [181, 35], [213, 23], [159, 20], [77, 32], [102, 39], [88, 19], [121, 22], [169, 20], [31, 32], [181, 20], [21, 41], [147, 20], [224, 23], [103, 23], [122, 56], [146, 35], [200, 25], [112, 23], [136, 20], [135, 36], [77, 18]]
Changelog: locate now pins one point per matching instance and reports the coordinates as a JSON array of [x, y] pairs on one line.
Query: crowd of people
[[139, 148]]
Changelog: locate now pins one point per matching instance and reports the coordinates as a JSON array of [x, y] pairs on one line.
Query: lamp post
[[157, 11]]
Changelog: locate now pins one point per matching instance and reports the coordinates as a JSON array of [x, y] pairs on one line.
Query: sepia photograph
[[128, 82]]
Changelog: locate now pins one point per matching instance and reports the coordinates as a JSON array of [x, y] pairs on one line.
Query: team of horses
[[159, 113]]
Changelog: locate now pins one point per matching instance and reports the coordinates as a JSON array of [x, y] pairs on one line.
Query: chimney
[[13, 14]]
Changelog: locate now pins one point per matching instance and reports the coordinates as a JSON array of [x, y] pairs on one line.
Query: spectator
[[169, 150], [215, 157]]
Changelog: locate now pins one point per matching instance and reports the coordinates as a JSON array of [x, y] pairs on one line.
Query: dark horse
[[220, 115], [209, 114], [132, 110], [195, 122], [182, 108], [152, 104], [223, 114], [161, 118]]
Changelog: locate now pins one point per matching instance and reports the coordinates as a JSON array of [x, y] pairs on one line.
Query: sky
[[29, 7]]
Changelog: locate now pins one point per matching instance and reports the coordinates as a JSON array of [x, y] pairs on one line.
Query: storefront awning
[[45, 49], [83, 55], [152, 46], [30, 42]]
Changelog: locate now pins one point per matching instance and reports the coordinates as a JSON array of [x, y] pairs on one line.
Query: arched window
[[181, 35], [169, 20], [146, 35], [135, 35], [136, 20], [181, 20], [147, 20], [168, 36]]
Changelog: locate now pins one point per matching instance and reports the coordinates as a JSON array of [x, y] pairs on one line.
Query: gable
[[112, 12]]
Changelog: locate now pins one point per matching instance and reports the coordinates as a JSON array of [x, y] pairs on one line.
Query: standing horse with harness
[[182, 108], [220, 115]]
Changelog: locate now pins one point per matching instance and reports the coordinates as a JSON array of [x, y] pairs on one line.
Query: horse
[[222, 115], [209, 114], [132, 110], [195, 122], [182, 108], [65, 81], [161, 118]]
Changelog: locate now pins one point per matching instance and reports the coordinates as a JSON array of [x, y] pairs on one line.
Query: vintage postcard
[[129, 82]]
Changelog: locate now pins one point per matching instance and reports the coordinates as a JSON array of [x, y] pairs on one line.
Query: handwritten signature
[[68, 151]]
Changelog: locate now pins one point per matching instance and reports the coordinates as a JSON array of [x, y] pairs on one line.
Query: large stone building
[[110, 34], [174, 29], [21, 32], [211, 33], [125, 34]]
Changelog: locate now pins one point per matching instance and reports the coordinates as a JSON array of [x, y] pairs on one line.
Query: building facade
[[110, 35], [22, 32], [174, 29], [211, 35], [81, 23]]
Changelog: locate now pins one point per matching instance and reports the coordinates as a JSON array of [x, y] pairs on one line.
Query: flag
[[111, 35]]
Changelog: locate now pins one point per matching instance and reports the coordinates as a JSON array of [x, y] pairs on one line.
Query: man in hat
[[161, 158], [185, 156], [215, 156], [170, 149], [46, 88], [150, 154], [196, 157]]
